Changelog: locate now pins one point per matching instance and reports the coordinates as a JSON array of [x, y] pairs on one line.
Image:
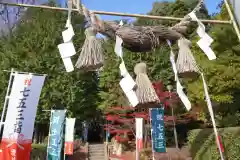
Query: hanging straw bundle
[[91, 57], [186, 64], [145, 92], [145, 38]]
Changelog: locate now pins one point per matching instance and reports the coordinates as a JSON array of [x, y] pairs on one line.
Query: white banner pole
[[6, 99], [139, 136], [210, 108], [49, 132], [137, 151], [233, 20], [137, 154], [64, 155], [153, 155]]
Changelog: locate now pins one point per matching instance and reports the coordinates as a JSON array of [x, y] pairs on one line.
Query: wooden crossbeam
[[116, 13]]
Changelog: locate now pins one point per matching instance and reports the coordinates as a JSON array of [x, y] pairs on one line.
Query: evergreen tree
[[222, 74], [33, 48]]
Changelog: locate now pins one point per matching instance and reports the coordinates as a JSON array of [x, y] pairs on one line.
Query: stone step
[[95, 152], [96, 158], [96, 146], [96, 149], [96, 155]]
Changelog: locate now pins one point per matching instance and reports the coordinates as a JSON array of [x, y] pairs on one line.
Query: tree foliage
[[111, 93], [159, 67], [222, 74], [33, 48]]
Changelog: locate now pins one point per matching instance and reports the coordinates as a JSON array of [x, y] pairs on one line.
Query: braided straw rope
[[91, 57], [138, 38], [145, 92], [186, 63]]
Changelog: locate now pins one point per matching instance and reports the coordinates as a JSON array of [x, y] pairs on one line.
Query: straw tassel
[[91, 57], [186, 63], [145, 92]]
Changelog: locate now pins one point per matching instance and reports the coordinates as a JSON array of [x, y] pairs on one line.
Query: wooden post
[[233, 20]]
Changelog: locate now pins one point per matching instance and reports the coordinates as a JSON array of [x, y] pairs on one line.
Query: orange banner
[[69, 148], [140, 143], [15, 149]]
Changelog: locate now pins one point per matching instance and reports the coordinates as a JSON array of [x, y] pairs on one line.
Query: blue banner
[[158, 133], [56, 135]]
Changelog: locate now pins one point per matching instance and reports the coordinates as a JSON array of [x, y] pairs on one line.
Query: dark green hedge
[[202, 144]]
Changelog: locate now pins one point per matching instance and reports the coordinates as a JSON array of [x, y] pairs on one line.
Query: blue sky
[[126, 6], [133, 6]]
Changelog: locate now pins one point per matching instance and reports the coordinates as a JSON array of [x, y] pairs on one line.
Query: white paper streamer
[[121, 23], [68, 23], [203, 44], [68, 64], [180, 92], [205, 41], [118, 47], [66, 51], [67, 48], [123, 69], [132, 98], [68, 34], [183, 96], [174, 67], [127, 83]]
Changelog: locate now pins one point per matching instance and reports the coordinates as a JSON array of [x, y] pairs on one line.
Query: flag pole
[[6, 99], [136, 141], [232, 18], [169, 87], [210, 109], [49, 129], [64, 129], [150, 116]]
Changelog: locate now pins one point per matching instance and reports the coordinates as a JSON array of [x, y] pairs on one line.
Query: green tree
[[159, 67], [223, 74], [33, 48]]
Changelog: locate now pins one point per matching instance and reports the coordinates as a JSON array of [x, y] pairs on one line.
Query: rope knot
[[140, 68], [90, 32], [184, 42]]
